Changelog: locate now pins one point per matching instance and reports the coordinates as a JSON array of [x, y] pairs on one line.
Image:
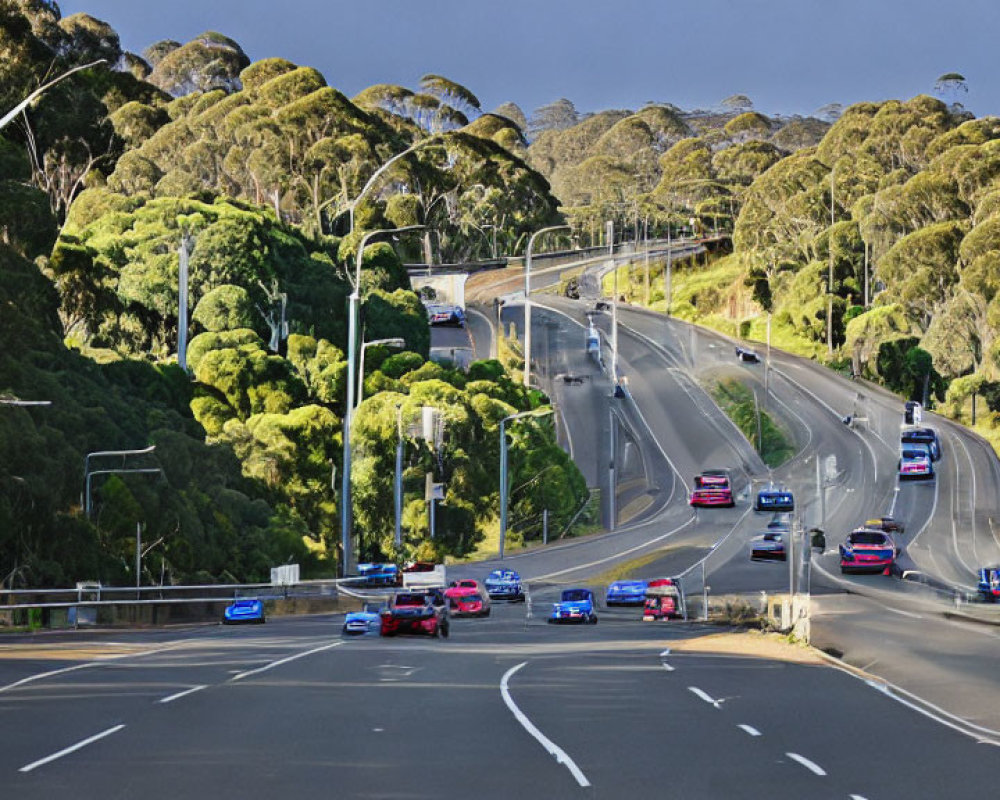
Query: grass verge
[[761, 431]]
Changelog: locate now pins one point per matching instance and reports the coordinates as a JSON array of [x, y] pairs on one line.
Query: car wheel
[[550, 621], [486, 613], [262, 620], [592, 620], [444, 630]]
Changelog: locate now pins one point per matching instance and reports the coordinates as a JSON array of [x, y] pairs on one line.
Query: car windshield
[[869, 537], [575, 595], [372, 608], [911, 455], [410, 599]]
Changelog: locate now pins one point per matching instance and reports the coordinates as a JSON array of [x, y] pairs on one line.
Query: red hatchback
[[467, 601], [712, 488]]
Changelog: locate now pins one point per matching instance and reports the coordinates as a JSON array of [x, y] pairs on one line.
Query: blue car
[[504, 584], [379, 574], [774, 500], [367, 620], [249, 609], [989, 584], [575, 605], [626, 593]]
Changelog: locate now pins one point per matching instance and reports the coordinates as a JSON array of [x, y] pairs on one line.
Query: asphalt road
[[883, 624], [290, 709]]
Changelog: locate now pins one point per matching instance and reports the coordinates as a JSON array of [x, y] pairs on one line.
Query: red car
[[415, 612], [867, 550], [467, 600], [664, 601], [712, 488]]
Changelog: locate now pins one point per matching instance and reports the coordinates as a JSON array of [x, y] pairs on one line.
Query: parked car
[[423, 612], [504, 584], [367, 620], [712, 488], [625, 593], [575, 605], [246, 609]]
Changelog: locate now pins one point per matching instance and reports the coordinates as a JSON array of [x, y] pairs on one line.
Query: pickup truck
[[426, 576]]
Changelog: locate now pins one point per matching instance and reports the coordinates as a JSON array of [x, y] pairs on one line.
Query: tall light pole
[[504, 487], [88, 472], [381, 170], [27, 101], [352, 346], [527, 298], [394, 342], [614, 304], [829, 280], [398, 484], [183, 254]]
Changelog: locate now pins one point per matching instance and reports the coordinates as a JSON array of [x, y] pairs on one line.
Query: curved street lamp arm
[[44, 87]]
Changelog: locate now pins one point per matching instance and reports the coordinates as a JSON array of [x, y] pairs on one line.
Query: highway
[[905, 706], [506, 706]]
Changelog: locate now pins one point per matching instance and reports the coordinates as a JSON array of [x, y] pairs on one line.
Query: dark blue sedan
[[248, 609], [626, 593]]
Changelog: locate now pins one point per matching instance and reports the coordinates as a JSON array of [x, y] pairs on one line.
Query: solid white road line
[[70, 749], [49, 674], [240, 676], [95, 663], [553, 749], [858, 797], [812, 766], [179, 695], [749, 729]]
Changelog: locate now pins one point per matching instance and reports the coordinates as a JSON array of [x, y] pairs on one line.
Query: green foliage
[[225, 308], [741, 406]]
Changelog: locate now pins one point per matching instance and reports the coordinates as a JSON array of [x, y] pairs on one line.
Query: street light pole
[[184, 253], [527, 298], [829, 280], [504, 487], [394, 342], [352, 346], [614, 303], [378, 173], [398, 485], [87, 472]]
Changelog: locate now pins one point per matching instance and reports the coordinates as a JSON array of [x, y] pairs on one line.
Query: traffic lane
[[847, 728], [480, 324], [948, 663], [67, 706], [609, 709], [402, 717]]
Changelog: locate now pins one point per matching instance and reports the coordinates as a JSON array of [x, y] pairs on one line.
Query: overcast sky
[[788, 56]]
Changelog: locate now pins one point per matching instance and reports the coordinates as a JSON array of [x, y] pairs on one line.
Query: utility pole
[[398, 486], [829, 281], [666, 273], [184, 253], [614, 304]]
